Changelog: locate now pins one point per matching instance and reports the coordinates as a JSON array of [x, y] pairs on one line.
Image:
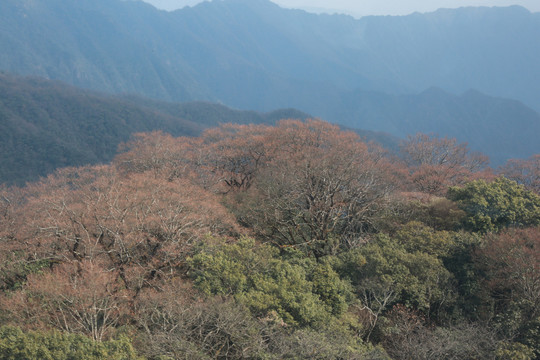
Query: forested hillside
[[46, 125], [146, 214], [293, 241], [370, 73]]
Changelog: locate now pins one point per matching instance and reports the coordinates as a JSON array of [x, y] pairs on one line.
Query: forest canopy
[[293, 241]]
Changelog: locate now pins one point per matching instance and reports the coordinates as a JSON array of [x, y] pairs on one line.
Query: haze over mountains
[[471, 73]]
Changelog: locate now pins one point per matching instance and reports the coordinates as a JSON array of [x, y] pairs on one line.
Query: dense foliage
[[496, 205], [54, 345], [294, 241]]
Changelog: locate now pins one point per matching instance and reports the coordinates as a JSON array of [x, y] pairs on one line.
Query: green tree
[[35, 345], [405, 268], [496, 205], [298, 289]]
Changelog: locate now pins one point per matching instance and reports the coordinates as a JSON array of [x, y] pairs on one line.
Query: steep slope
[[247, 54], [254, 54], [111, 46], [45, 125]]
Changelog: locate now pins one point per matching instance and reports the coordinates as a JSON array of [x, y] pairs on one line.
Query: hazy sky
[[369, 7]]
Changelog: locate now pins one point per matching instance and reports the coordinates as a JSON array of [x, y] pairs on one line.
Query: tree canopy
[[291, 241], [492, 206]]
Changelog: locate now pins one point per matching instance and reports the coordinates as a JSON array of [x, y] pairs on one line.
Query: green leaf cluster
[[406, 267], [35, 345], [300, 290], [492, 206], [15, 269]]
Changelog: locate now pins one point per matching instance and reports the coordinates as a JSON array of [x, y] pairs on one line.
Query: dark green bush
[[37, 345]]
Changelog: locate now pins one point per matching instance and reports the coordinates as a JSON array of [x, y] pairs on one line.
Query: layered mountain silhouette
[[498, 127], [47, 124], [422, 72], [221, 49]]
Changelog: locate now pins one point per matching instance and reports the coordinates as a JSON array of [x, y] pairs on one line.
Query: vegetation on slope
[[265, 242], [255, 55], [46, 125]]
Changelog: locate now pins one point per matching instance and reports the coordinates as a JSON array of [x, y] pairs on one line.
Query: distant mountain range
[[254, 54], [422, 72], [500, 128], [46, 124]]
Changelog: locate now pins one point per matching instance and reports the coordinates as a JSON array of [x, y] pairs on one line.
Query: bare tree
[[321, 187], [436, 163], [525, 172]]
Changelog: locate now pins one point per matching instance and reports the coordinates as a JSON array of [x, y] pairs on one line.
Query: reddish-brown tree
[[235, 153], [85, 242], [78, 296], [319, 188], [140, 226], [512, 260], [526, 172], [437, 163], [165, 156]]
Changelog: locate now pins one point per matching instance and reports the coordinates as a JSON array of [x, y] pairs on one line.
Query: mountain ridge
[[258, 56], [196, 53], [47, 124]]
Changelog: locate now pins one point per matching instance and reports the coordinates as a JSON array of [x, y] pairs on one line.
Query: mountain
[[254, 54], [369, 73], [45, 125], [501, 128]]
